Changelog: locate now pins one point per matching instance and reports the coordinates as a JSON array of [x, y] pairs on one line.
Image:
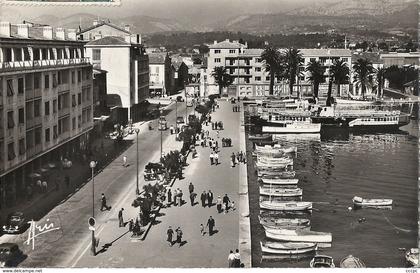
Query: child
[[202, 229]]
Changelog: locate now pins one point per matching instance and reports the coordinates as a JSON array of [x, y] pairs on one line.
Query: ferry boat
[[292, 122]]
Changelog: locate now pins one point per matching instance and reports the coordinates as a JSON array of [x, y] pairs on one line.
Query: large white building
[[128, 70], [160, 74], [250, 77], [46, 103]]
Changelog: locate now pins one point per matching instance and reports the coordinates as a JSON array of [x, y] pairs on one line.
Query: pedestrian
[[237, 157], [203, 199], [103, 202], [211, 223], [241, 156], [216, 159], [210, 143], [176, 197], [120, 218], [231, 259], [212, 126], [169, 197], [232, 205], [219, 204], [226, 201], [232, 157], [237, 259], [171, 129], [180, 197], [210, 198], [124, 161], [169, 234], [202, 229], [130, 225], [217, 144], [179, 236], [192, 198], [211, 158], [191, 187], [217, 133]]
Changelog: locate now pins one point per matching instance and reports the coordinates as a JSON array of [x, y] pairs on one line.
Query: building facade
[[128, 71], [160, 74], [46, 104], [401, 59]]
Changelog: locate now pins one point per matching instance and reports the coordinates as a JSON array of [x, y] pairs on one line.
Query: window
[[21, 116], [217, 60], [79, 98], [47, 81], [20, 86], [216, 51], [47, 108], [37, 80], [54, 80], [37, 105], [312, 59], [73, 100], [232, 51], [157, 69], [79, 76], [345, 59], [73, 123], [73, 77], [267, 78], [37, 136], [257, 79], [258, 69], [22, 146], [10, 88], [79, 121], [54, 106], [29, 81], [258, 60], [10, 120], [55, 133], [11, 151], [47, 135]]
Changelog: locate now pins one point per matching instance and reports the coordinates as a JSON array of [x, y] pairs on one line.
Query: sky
[[184, 10]]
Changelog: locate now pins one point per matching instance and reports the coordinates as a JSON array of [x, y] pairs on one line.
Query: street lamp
[[92, 165], [137, 164], [161, 135]]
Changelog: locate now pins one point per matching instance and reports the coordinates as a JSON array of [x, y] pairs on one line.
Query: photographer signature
[[37, 230]]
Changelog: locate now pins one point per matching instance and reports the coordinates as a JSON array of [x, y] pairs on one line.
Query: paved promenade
[[198, 250]]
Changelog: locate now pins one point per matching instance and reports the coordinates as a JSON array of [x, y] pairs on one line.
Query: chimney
[[127, 28], [47, 32], [138, 38], [5, 29], [215, 42], [60, 33], [71, 34], [23, 30]]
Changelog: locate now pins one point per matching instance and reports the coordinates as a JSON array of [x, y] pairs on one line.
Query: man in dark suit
[[120, 217], [210, 198], [203, 199], [191, 187], [211, 223]]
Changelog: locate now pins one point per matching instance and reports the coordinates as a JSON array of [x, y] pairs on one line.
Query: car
[[179, 99], [10, 255], [16, 223], [180, 120]]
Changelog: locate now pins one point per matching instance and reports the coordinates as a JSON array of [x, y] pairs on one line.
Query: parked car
[[16, 223], [180, 120], [10, 255], [179, 99]]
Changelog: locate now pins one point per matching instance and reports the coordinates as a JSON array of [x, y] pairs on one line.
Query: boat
[[352, 262], [299, 235], [274, 166], [293, 128], [320, 261], [276, 174], [269, 247], [284, 222], [412, 256], [285, 205], [275, 149], [280, 192], [280, 181], [262, 137], [274, 160], [361, 202]]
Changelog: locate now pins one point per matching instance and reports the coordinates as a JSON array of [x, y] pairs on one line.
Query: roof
[[102, 23], [371, 56], [401, 55], [227, 44], [157, 57], [109, 40], [37, 33], [327, 52], [99, 71]]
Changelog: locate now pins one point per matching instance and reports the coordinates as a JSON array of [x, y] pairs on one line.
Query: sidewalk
[[198, 251]]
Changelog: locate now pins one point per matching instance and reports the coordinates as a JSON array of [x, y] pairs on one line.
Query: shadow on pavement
[[108, 245]]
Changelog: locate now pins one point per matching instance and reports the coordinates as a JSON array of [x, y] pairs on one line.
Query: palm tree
[[272, 63], [222, 78], [317, 75], [293, 60], [380, 80], [340, 74], [364, 71]]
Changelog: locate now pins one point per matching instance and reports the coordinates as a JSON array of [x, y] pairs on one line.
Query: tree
[[340, 74], [364, 71], [272, 59], [293, 60], [380, 80], [222, 78], [317, 75]]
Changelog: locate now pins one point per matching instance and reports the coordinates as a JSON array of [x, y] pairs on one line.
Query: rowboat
[[320, 261], [260, 137], [279, 167], [352, 262], [299, 235], [280, 192], [276, 174], [285, 205], [412, 256], [268, 181], [284, 222], [360, 202], [275, 149], [275, 160], [269, 247]]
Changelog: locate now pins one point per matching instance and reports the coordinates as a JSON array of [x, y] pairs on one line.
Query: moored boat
[[362, 202], [269, 247], [279, 181], [276, 174], [299, 235], [412, 256], [280, 222], [352, 262], [274, 160], [262, 137], [280, 192], [285, 205], [322, 261]]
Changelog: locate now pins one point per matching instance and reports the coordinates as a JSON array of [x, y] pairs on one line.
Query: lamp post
[[186, 106], [92, 165], [161, 136], [137, 162]]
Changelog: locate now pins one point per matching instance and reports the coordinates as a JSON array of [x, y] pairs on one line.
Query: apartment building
[[127, 67], [401, 59], [160, 74], [46, 103]]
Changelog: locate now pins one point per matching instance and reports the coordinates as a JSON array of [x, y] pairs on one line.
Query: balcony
[[20, 65]]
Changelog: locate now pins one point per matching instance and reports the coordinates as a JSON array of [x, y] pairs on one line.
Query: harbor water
[[337, 165]]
